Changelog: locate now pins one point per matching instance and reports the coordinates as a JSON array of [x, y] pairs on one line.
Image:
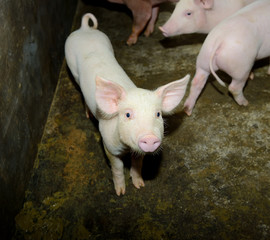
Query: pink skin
[[130, 118], [149, 143], [232, 47], [137, 126], [200, 16], [145, 13]]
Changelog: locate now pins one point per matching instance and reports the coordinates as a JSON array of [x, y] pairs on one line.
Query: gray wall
[[32, 35]]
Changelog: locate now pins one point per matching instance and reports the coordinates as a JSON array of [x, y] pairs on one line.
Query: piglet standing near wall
[[130, 118], [145, 13], [200, 16], [233, 46]]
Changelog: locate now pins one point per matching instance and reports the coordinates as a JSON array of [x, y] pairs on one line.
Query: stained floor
[[211, 181]]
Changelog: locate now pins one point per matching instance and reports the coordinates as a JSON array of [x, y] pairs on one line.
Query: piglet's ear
[[108, 95], [172, 93], [206, 4]]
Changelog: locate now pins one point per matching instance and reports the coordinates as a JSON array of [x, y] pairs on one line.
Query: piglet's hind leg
[[141, 11], [236, 89], [197, 85]]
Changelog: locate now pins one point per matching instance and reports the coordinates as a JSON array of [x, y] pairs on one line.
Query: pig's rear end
[[232, 47], [83, 42]]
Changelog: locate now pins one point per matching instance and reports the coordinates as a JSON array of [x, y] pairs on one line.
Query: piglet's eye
[[158, 114], [188, 13], [129, 114]]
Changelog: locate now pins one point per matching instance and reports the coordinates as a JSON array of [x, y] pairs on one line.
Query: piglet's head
[[139, 111], [189, 16]]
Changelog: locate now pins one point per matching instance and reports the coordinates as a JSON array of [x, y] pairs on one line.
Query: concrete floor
[[211, 181]]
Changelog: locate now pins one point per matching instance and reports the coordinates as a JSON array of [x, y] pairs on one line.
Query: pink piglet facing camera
[[130, 118]]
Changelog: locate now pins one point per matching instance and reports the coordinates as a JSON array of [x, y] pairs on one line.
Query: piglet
[[130, 118], [145, 13], [200, 16], [233, 46]]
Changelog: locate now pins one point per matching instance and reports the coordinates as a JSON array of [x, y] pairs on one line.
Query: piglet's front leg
[[136, 171], [117, 167]]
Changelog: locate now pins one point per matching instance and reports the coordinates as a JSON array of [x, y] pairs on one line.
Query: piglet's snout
[[164, 32], [149, 143]]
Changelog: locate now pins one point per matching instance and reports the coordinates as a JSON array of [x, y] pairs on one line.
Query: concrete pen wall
[[32, 35]]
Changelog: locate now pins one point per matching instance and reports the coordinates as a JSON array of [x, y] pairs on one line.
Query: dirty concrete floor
[[211, 181]]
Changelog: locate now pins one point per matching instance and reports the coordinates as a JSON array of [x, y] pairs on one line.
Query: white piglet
[[130, 118], [200, 16], [233, 46]]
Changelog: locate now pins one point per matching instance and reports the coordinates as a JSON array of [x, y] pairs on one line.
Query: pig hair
[[138, 153], [166, 126], [85, 20], [168, 113], [103, 115]]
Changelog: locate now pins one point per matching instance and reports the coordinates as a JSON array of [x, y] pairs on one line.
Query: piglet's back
[[85, 42], [89, 54]]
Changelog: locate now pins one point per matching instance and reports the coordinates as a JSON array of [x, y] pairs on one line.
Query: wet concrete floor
[[211, 181]]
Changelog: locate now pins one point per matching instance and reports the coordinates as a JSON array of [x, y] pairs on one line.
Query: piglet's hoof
[[132, 40]]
